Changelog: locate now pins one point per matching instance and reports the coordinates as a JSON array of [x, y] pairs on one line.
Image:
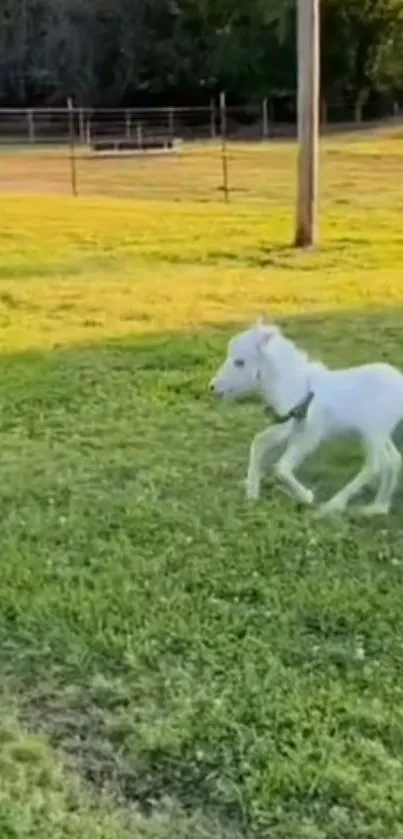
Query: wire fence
[[200, 153]]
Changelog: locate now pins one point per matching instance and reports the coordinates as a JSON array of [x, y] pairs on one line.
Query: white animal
[[314, 403]]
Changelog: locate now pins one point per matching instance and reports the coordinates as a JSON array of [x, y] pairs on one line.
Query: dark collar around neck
[[298, 412]]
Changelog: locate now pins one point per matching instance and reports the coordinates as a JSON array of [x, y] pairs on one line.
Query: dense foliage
[[159, 51]]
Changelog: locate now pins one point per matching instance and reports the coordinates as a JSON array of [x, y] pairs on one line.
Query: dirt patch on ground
[[90, 738], [35, 186]]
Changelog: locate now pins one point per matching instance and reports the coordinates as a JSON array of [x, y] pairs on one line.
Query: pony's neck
[[287, 377]]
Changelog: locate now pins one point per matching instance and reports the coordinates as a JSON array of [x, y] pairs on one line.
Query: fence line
[[265, 120], [213, 152]]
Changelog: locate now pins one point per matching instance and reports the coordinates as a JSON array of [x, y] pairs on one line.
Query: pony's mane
[[295, 356]]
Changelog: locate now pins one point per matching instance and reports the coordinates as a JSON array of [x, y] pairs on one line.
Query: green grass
[[176, 663]]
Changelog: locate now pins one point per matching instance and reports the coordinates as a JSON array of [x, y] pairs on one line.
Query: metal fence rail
[[43, 126], [51, 126], [175, 153]]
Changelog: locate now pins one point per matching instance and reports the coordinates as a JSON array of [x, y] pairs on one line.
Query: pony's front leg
[[263, 443], [302, 444]]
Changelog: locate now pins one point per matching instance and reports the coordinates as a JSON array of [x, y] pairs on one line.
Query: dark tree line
[[117, 52]]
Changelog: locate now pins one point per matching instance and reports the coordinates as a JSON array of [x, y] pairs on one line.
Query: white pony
[[313, 404]]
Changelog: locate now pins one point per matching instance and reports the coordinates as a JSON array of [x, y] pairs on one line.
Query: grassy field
[[176, 663], [256, 172]]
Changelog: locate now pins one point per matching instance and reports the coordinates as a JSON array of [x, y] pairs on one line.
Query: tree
[[159, 51], [357, 37]]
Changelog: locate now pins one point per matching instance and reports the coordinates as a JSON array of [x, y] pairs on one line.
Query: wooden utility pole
[[72, 146], [308, 121], [224, 152]]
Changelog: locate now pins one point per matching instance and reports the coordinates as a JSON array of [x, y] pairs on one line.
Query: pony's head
[[239, 376]]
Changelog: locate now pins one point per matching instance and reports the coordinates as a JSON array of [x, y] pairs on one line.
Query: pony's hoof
[[373, 510], [330, 509], [252, 491], [307, 498]]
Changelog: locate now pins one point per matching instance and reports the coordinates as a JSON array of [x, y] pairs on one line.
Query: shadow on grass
[[122, 506], [175, 368]]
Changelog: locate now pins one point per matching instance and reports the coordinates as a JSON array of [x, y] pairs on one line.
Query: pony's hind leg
[[389, 479], [396, 467]]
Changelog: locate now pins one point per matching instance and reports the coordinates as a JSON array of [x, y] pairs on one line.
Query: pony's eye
[[239, 362]]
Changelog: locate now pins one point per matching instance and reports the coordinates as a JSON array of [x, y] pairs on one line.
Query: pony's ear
[[265, 333]]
